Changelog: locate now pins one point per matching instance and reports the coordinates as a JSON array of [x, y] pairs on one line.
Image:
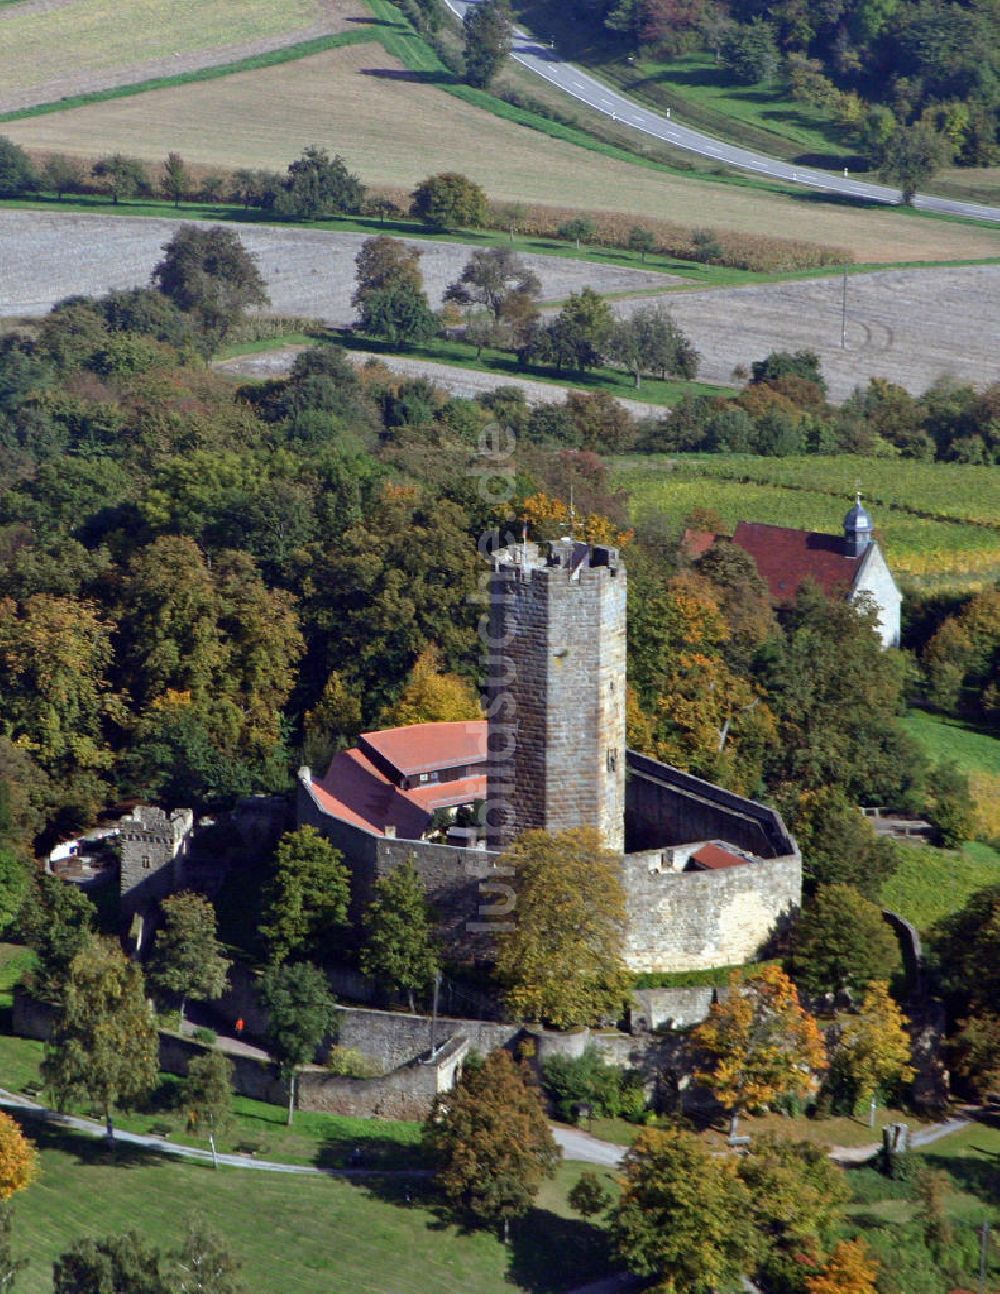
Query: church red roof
[[424, 747], [786, 558]]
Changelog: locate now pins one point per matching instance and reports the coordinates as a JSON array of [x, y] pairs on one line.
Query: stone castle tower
[[556, 691]]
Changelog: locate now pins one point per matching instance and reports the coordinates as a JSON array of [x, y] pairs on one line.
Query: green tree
[[449, 201], [641, 240], [204, 1264], [17, 175], [589, 1196], [176, 180], [121, 1264], [841, 942], [579, 335], [797, 1197], [399, 933], [210, 274], [976, 1051], [648, 341], [62, 175], [398, 314], [684, 1216], [909, 158], [123, 176], [301, 1012], [578, 229], [759, 1044], [951, 807], [562, 961], [782, 363], [57, 923], [207, 1096], [187, 956], [966, 946], [317, 186], [750, 51], [874, 1048], [305, 904], [103, 1045], [491, 277], [15, 885], [839, 846], [489, 1142], [488, 29]]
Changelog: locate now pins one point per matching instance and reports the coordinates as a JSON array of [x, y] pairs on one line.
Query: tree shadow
[[363, 21], [550, 1253], [856, 163], [415, 78], [87, 1151], [368, 1154], [977, 1176]]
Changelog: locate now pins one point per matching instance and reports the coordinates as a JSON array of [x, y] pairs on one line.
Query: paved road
[[546, 63]]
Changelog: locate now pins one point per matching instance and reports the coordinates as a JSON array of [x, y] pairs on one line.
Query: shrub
[[346, 1062], [206, 1036], [588, 1079]]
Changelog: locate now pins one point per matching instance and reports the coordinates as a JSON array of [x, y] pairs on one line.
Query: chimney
[[389, 832]]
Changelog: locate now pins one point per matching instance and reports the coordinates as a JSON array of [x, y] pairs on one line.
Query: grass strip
[[287, 54]]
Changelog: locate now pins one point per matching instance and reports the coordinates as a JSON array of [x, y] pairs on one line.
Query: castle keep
[[556, 692], [709, 876]]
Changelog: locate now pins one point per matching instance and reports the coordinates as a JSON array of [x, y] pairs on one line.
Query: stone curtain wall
[[692, 920]]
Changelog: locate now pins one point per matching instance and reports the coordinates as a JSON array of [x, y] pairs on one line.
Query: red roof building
[[786, 558], [393, 781]]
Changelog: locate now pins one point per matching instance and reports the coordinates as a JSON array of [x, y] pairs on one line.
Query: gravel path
[[46, 256], [335, 17], [459, 381]]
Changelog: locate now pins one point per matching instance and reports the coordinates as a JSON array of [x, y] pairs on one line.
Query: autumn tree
[[390, 296], [449, 201], [305, 903], [207, 1095], [684, 1216], [841, 941], [874, 1048], [187, 955], [18, 1159], [489, 1142], [211, 275], [759, 1044], [204, 1264], [118, 1264], [562, 961], [103, 1045], [332, 722], [382, 261], [123, 176], [976, 1051], [850, 1270], [488, 28], [300, 1010], [432, 696], [399, 946]]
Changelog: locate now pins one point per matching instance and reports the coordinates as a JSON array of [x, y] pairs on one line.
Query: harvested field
[[44, 258], [51, 49], [394, 129], [910, 326]]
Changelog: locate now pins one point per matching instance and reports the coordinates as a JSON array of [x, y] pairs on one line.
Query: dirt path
[[336, 16], [459, 381]]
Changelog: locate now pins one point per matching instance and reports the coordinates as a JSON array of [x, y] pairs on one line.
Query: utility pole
[[843, 313]]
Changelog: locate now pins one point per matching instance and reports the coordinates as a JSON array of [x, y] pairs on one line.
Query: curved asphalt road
[[546, 63]]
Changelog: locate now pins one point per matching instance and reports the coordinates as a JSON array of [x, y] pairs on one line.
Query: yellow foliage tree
[[561, 960], [18, 1158], [875, 1048], [850, 1270], [549, 518], [760, 1043], [431, 696]]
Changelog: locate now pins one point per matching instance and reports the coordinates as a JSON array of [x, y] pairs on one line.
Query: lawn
[[387, 122], [933, 883], [977, 754], [294, 1235], [814, 494], [49, 47]]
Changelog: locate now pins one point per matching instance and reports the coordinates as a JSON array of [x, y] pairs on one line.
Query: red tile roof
[[355, 791], [695, 543], [425, 747], [786, 558], [714, 858]]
